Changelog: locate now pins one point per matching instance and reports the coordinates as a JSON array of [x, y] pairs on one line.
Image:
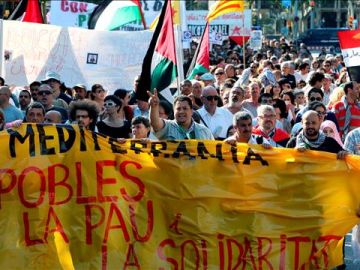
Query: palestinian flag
[[28, 11], [159, 65], [117, 15], [350, 48], [201, 61]]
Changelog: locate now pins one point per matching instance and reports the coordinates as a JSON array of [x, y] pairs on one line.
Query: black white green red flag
[[350, 48], [159, 65]]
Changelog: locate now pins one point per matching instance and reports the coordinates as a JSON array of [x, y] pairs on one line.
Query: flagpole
[[1, 48], [179, 56], [243, 38]]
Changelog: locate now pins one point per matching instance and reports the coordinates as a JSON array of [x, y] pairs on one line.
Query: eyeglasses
[[209, 98], [98, 91], [41, 93], [220, 73], [109, 104], [321, 113], [315, 98], [24, 96]]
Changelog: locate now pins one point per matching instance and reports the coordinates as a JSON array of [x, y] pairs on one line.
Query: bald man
[[53, 117], [312, 138]]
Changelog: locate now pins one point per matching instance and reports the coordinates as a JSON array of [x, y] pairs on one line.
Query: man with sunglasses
[[46, 98], [218, 120]]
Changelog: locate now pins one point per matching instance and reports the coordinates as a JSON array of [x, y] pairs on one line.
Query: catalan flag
[[225, 6]]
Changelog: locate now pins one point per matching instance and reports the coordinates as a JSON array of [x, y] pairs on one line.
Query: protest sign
[[72, 199], [112, 59]]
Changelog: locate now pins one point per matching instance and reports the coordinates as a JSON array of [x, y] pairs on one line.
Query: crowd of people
[[282, 96]]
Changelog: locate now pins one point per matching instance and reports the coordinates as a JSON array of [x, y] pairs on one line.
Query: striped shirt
[[340, 113], [352, 142]]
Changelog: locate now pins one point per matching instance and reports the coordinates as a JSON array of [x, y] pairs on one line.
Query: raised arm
[[156, 122]]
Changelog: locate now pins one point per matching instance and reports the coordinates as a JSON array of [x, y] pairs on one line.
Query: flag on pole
[[350, 48], [159, 65], [117, 15], [201, 62], [28, 11], [222, 7]]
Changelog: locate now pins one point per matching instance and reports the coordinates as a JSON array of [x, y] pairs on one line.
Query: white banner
[[256, 39], [112, 59], [70, 13]]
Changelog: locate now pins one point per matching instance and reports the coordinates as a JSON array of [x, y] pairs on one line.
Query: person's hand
[[154, 98], [300, 149], [230, 141], [268, 89], [121, 140], [342, 154], [266, 145]]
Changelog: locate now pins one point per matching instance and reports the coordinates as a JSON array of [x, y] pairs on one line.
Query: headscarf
[[303, 142], [331, 124]]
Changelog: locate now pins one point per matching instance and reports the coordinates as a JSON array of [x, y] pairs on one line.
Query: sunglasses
[[315, 98], [209, 98], [109, 104], [321, 113], [220, 73], [99, 91], [41, 93]]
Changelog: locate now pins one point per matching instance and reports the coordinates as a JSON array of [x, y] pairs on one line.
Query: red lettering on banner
[[313, 255], [83, 7], [204, 253], [53, 184], [103, 257], [58, 226], [194, 247], [41, 192], [73, 7], [240, 258], [174, 226], [133, 179], [221, 251], [282, 252], [28, 241], [262, 255], [297, 241], [247, 250], [150, 222], [101, 181], [11, 185], [161, 255], [64, 5], [80, 198], [327, 239], [131, 258], [89, 226], [109, 226]]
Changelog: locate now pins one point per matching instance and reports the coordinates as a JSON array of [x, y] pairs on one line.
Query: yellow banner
[[71, 199]]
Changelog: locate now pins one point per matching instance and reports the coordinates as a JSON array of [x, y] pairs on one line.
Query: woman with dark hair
[[166, 110], [289, 99], [113, 124], [282, 114], [275, 91], [126, 111], [98, 94]]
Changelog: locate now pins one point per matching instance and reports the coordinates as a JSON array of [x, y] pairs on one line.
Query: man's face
[[46, 97], [143, 105], [34, 90], [266, 101], [355, 91], [311, 126], [182, 112], [220, 74], [267, 120], [24, 98], [35, 115], [243, 129], [197, 89], [326, 83], [4, 97], [82, 118], [52, 117], [80, 93], [255, 90], [236, 95], [54, 84], [315, 97], [327, 66], [300, 99], [139, 131], [186, 88], [210, 99]]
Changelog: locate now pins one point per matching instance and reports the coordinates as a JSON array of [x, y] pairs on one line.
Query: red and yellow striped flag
[[225, 6]]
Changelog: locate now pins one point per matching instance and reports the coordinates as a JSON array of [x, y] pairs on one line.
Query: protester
[[182, 127], [84, 113], [11, 113]]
